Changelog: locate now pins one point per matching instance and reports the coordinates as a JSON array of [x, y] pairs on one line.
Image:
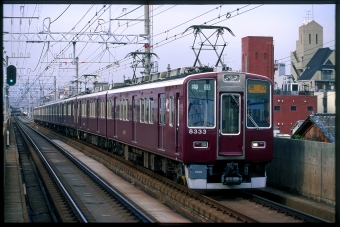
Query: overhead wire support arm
[[136, 62], [219, 31], [87, 37]]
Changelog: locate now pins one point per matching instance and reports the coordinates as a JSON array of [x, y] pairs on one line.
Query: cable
[[61, 14]]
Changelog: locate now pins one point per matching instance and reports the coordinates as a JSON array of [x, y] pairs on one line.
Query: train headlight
[[200, 144], [258, 144], [231, 78]]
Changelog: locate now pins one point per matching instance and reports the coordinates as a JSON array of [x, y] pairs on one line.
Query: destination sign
[[257, 88]]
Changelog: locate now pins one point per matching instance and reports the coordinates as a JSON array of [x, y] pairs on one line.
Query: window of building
[[293, 108], [277, 108], [256, 55], [265, 56], [316, 39], [309, 108], [327, 75], [300, 38], [310, 38]]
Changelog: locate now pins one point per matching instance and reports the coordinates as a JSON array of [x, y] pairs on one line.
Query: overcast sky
[[281, 22]]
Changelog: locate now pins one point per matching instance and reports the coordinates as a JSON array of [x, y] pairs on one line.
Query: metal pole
[[7, 94], [147, 46], [55, 87], [77, 75]]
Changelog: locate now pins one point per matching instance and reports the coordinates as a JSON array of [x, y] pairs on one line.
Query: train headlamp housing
[[258, 144], [200, 144], [231, 78]]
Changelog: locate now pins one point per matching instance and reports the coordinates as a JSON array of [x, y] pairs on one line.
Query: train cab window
[[201, 103], [258, 104]]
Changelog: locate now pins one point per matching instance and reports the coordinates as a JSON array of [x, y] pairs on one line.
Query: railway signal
[[11, 75]]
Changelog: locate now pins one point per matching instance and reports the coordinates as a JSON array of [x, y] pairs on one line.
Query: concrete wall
[[303, 167]]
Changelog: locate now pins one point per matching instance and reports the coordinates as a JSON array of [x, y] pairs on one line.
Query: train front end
[[229, 130]]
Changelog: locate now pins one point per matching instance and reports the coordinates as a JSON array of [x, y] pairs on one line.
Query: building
[[313, 67], [310, 40], [258, 55], [288, 109], [317, 127]]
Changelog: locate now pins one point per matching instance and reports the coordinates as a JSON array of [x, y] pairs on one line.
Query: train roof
[[167, 78]]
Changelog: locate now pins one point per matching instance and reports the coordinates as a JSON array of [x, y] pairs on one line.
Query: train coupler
[[231, 174]]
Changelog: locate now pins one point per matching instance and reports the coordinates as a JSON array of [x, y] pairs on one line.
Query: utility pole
[[7, 93], [147, 46], [77, 75], [55, 88]]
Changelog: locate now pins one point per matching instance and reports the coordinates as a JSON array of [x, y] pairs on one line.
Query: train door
[[161, 120], [134, 118], [230, 129]]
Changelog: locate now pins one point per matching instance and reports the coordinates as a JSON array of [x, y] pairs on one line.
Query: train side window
[[171, 111], [151, 110], [135, 104], [141, 110], [177, 118], [147, 120], [127, 109], [109, 109], [121, 109], [277, 108], [116, 105]]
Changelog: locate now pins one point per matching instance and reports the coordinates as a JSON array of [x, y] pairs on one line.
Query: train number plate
[[197, 131]]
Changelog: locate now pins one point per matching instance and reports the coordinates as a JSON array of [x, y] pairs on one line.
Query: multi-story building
[[313, 67], [258, 55]]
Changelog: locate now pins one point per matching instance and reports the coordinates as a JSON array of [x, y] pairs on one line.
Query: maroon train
[[206, 130]]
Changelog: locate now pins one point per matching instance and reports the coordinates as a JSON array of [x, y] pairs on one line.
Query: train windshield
[[258, 104], [201, 103]]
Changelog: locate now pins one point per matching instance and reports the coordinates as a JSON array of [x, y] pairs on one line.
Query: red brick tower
[[258, 55]]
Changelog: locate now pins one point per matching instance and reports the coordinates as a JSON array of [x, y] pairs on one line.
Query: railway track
[[196, 205], [76, 193]]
